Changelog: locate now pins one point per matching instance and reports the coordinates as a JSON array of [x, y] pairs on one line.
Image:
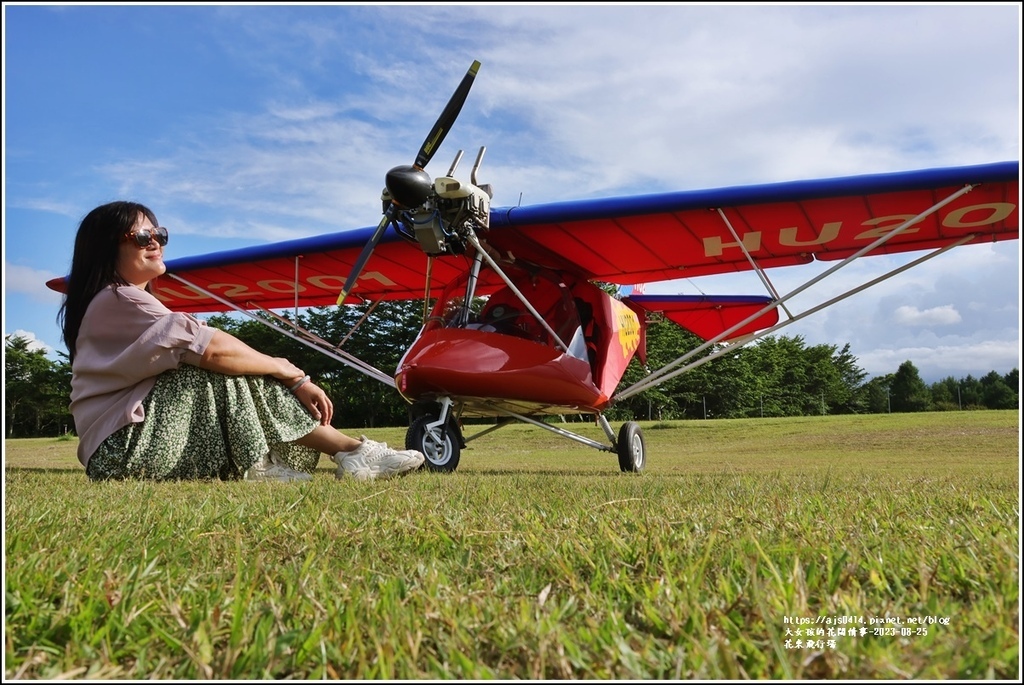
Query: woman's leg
[[329, 440], [198, 425]]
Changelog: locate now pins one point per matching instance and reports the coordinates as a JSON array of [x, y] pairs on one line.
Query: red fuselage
[[566, 355], [472, 365]]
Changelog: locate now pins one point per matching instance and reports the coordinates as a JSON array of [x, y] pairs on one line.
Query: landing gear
[[631, 449], [439, 442], [436, 433]]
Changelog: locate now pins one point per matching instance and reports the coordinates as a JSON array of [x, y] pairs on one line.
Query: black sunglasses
[[142, 236]]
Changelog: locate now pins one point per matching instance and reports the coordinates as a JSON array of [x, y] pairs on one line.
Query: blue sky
[[240, 125]]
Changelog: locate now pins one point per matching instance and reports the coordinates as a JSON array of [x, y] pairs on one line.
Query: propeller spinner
[[410, 186]]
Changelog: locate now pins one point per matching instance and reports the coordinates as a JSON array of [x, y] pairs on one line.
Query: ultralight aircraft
[[516, 326]]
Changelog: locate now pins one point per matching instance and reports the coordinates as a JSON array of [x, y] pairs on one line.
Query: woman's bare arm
[[228, 355]]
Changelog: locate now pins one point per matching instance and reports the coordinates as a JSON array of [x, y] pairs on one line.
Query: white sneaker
[[269, 469], [374, 459]]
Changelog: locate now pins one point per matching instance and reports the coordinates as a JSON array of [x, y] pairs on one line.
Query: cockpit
[[506, 310]]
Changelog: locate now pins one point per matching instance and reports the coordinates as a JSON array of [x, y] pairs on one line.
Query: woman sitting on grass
[[159, 395]]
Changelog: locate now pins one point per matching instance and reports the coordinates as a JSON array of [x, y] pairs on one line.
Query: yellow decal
[[627, 325]]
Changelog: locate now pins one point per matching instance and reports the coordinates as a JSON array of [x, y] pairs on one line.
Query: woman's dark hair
[[93, 265]]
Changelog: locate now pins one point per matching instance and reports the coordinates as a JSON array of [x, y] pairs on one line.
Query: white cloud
[[936, 363], [31, 282], [909, 315], [576, 102], [33, 342]]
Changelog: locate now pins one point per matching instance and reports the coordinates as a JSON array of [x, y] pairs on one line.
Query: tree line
[[777, 376]]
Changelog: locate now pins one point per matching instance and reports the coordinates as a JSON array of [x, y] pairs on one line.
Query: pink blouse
[[127, 338]]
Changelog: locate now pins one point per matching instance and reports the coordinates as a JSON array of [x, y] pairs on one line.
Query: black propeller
[[410, 186]]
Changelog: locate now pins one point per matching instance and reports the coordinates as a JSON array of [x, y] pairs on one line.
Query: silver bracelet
[[298, 385]]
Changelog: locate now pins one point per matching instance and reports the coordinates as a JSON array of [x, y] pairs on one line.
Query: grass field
[[874, 547]]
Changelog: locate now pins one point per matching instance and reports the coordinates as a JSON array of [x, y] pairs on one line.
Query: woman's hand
[[287, 372], [316, 402]]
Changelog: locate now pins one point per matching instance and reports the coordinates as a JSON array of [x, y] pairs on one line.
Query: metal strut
[[754, 265], [561, 431], [303, 336], [442, 419], [522, 298], [661, 375]]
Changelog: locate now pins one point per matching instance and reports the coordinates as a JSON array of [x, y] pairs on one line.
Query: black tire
[[631, 448], [440, 447]]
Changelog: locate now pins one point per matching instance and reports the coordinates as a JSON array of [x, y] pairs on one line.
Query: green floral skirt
[[204, 425]]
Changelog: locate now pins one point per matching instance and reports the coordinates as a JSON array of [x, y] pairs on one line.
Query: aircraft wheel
[[440, 446], [631, 448]]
